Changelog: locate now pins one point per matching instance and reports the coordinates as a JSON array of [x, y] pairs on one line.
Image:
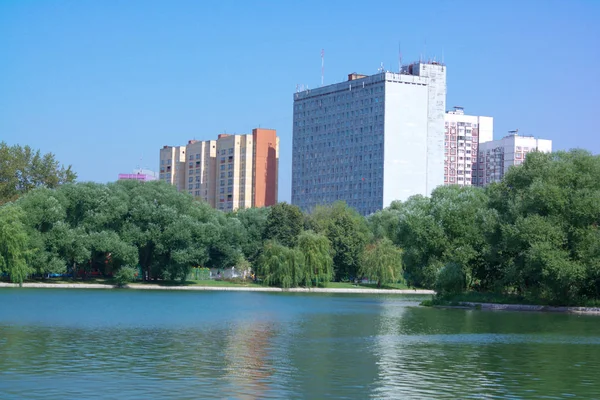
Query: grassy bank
[[456, 300]]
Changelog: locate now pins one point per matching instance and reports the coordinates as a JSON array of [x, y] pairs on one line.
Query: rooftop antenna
[[322, 66], [399, 57]]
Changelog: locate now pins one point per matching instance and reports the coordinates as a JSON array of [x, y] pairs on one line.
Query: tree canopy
[[535, 234], [23, 169]]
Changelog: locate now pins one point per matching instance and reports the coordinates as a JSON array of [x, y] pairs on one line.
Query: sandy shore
[[219, 288]]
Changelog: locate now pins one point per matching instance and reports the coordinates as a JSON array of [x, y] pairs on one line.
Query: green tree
[[281, 266], [125, 275], [253, 222], [382, 262], [23, 169], [547, 242], [13, 244], [450, 280], [348, 233], [318, 261], [284, 224]]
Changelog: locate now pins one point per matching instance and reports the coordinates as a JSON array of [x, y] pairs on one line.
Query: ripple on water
[[287, 347]]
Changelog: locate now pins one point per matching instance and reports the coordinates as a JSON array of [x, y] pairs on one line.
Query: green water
[[125, 344]]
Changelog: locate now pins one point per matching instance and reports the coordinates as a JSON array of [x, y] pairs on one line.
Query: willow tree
[[382, 262], [318, 260], [13, 244], [281, 266]]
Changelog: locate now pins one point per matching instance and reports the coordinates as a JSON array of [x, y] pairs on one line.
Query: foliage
[[23, 169], [318, 262], [534, 235], [347, 232], [284, 224], [382, 262], [125, 275], [450, 280], [13, 244], [281, 266]]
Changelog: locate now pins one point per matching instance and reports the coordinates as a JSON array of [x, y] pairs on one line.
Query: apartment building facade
[[463, 136], [234, 171], [172, 166], [370, 140], [497, 156]]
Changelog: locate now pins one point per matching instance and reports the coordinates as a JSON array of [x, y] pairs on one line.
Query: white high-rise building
[[464, 135], [370, 140], [497, 156]]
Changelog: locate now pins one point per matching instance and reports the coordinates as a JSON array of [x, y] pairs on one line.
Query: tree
[[450, 280], [452, 225], [125, 275], [547, 243], [318, 262], [13, 244], [253, 222], [23, 169], [281, 266], [348, 233], [382, 262], [284, 224]]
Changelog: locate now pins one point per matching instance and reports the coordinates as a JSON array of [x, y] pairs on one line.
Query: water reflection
[[285, 346]]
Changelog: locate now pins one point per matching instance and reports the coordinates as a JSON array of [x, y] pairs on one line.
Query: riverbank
[[217, 288], [523, 307]]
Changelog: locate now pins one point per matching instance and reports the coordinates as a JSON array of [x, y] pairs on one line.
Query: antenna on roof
[[399, 57], [322, 66]]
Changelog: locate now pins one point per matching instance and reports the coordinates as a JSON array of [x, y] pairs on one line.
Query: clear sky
[[103, 84]]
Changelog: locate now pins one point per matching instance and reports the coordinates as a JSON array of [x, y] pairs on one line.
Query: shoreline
[[216, 288], [525, 307]]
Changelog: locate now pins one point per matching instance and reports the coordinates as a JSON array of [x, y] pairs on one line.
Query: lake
[[134, 344]]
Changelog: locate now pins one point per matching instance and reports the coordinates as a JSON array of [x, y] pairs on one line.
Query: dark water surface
[[113, 344]]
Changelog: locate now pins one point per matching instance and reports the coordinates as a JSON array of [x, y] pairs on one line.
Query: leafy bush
[[125, 275], [450, 280]]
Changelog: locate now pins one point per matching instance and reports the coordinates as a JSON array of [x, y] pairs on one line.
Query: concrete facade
[[370, 140], [201, 164], [463, 136], [234, 171], [172, 166], [497, 156]]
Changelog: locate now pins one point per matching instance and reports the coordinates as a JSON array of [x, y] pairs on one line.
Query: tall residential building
[[464, 134], [370, 140], [497, 156], [172, 166], [234, 171], [201, 166]]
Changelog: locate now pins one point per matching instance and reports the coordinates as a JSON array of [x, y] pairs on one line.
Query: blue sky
[[103, 84]]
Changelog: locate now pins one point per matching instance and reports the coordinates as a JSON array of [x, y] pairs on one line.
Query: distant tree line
[[533, 234]]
